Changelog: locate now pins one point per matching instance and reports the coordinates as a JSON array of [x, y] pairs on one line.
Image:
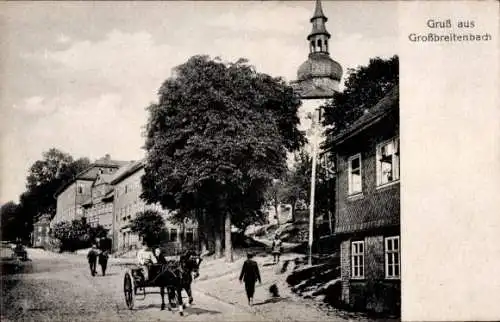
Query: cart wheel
[[128, 290]]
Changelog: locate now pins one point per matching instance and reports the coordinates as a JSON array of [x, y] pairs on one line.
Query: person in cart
[[145, 258]]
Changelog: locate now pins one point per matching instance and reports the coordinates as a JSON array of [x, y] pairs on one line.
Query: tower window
[[312, 45], [319, 44], [326, 44]]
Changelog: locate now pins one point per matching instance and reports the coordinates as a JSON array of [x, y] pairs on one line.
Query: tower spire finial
[[319, 36], [318, 12]]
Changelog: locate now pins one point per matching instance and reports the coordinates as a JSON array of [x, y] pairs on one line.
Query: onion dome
[[319, 75], [319, 65]]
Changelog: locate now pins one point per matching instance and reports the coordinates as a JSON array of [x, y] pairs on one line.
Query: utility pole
[[313, 185]]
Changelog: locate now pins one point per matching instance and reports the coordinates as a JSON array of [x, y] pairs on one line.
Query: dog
[[273, 289]]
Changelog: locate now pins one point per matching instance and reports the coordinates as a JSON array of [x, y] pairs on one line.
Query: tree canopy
[[217, 137], [150, 227], [10, 220], [45, 176], [364, 87]]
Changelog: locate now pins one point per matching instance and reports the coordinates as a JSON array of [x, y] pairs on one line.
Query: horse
[[176, 276]]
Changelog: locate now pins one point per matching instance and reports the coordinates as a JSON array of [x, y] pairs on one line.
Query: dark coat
[[103, 258], [250, 272], [92, 256]]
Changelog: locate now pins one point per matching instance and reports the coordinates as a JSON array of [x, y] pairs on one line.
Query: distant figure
[[145, 257], [276, 249], [92, 258], [103, 261], [250, 274]]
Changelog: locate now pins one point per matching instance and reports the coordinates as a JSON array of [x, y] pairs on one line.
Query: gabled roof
[[101, 163], [105, 162], [384, 107], [104, 178], [127, 170]]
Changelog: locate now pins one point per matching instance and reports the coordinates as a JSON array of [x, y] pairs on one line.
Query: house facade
[[41, 232], [127, 203], [367, 220], [98, 208], [72, 195]]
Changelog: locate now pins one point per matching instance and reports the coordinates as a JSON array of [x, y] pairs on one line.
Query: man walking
[[103, 261], [92, 258], [250, 274]]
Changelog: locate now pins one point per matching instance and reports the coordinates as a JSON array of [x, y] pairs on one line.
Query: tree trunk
[[218, 238], [330, 223], [276, 212], [228, 246], [294, 205], [204, 231], [181, 237]]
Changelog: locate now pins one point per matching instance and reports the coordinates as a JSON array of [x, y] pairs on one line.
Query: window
[[392, 257], [39, 229], [80, 189], [388, 161], [173, 235], [126, 188], [358, 259], [355, 174], [189, 235], [319, 44]]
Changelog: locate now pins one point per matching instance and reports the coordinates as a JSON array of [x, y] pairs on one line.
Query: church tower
[[318, 78]]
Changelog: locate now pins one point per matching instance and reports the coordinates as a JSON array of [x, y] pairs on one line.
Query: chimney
[[107, 157]]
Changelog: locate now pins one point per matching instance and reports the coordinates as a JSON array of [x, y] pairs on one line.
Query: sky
[[78, 76]]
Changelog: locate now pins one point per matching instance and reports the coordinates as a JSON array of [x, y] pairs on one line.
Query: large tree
[[45, 176], [11, 221], [364, 87], [215, 140]]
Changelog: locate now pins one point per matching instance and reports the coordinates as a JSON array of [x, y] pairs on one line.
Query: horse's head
[[192, 261]]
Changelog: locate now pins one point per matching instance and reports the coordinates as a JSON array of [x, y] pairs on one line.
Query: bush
[[76, 235], [150, 227]]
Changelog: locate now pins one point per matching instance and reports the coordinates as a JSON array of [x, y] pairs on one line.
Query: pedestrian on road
[[103, 261], [250, 274], [92, 258], [276, 249]]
